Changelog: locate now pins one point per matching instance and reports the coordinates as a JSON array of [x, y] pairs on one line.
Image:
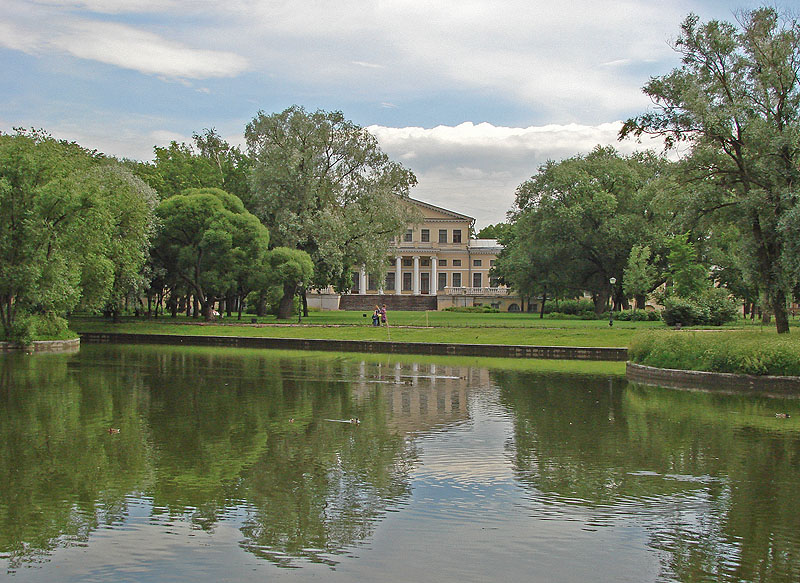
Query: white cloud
[[476, 168], [127, 47], [41, 30]]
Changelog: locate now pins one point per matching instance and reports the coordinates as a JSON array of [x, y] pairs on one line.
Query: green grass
[[731, 351], [405, 327], [742, 347]]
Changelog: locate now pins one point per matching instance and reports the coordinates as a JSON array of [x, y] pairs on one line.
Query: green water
[[239, 465]]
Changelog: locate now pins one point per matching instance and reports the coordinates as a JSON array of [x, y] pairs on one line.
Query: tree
[[640, 275], [578, 219], [322, 185], [291, 269], [492, 231], [736, 102], [208, 240], [208, 163], [130, 206], [74, 227], [690, 278]]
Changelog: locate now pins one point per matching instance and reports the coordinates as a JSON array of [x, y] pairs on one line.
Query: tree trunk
[[287, 301], [600, 300], [305, 304], [541, 308], [778, 305]]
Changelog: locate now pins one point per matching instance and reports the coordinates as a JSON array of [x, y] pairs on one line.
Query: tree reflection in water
[[200, 432], [713, 478]]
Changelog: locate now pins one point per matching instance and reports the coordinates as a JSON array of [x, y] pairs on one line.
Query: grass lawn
[[432, 327]]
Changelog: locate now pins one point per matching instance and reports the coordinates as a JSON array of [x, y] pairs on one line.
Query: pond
[[154, 463]]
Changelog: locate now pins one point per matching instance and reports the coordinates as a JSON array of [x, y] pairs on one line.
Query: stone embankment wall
[[72, 345], [713, 381], [490, 350]]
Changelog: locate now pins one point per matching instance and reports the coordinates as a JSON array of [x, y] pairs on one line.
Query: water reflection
[[712, 478], [449, 462]]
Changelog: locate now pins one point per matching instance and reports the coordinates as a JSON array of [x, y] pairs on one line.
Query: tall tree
[[736, 101], [74, 226], [207, 240], [578, 219], [640, 274], [322, 185], [209, 162]]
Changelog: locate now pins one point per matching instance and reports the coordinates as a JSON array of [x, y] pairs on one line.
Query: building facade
[[436, 259]]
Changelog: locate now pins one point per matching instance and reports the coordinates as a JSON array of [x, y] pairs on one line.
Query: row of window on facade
[[425, 236], [425, 281], [426, 262]]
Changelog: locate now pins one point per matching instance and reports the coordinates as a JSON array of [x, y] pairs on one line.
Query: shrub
[[713, 308], [570, 307], [30, 327], [722, 309], [473, 309], [637, 316], [684, 311]]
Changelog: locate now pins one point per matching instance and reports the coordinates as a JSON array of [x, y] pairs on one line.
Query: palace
[[433, 266]]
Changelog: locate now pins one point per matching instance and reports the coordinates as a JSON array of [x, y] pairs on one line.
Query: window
[[477, 262], [443, 263], [390, 280], [456, 263], [372, 283], [407, 281], [456, 235], [425, 262], [356, 280], [407, 262], [407, 236], [442, 235], [456, 280], [491, 262], [477, 280], [425, 236], [442, 281], [493, 282]]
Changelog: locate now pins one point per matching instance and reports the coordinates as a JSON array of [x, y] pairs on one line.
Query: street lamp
[[612, 281]]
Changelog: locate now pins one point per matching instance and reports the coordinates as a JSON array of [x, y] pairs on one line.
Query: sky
[[471, 95]]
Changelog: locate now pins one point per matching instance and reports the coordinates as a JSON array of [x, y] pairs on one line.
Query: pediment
[[431, 211]]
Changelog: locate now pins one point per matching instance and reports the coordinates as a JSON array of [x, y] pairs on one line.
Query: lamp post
[[612, 281], [300, 304]]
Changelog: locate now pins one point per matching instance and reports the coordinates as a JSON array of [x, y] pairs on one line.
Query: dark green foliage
[[571, 307], [473, 309], [636, 316], [735, 101], [712, 308], [30, 327]]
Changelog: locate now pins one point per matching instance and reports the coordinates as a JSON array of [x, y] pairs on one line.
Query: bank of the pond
[[766, 385], [732, 351], [427, 348], [69, 345]]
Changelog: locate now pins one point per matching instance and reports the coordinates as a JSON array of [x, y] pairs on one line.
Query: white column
[[398, 275], [362, 288], [416, 275], [434, 280]]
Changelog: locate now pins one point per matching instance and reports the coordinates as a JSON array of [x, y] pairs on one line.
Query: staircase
[[393, 302]]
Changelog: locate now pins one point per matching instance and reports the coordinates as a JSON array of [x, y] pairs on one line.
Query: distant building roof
[[485, 244]]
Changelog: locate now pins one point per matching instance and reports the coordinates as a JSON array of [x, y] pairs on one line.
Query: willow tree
[[736, 101], [321, 184], [75, 227]]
